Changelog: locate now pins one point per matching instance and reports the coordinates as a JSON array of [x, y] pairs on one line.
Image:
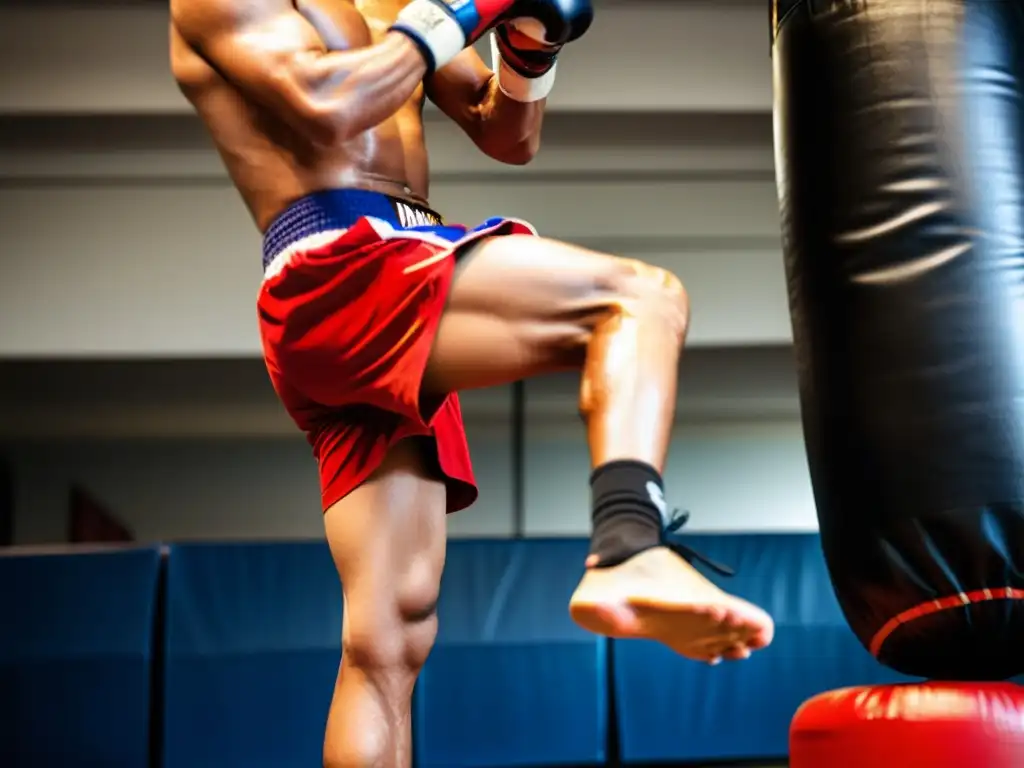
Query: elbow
[[504, 142], [522, 153], [518, 153]]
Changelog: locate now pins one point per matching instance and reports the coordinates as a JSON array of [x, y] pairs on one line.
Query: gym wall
[[127, 308]]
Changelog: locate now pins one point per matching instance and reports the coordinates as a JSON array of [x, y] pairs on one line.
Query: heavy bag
[[900, 164]]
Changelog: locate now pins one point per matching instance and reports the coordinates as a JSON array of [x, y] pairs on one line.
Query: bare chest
[[380, 14]]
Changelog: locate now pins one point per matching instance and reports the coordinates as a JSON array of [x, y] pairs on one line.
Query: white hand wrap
[[513, 84], [436, 31]]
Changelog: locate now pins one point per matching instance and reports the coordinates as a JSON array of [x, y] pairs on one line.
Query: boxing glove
[[554, 22], [442, 28], [525, 47], [523, 53]]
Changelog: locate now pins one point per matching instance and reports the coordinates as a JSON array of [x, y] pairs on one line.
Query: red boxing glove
[[526, 42], [524, 53], [522, 60]]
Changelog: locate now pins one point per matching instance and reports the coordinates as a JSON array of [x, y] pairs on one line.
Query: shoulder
[[339, 24], [198, 21]]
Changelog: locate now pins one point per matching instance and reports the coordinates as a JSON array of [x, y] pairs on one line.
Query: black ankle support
[[626, 515], [630, 517]]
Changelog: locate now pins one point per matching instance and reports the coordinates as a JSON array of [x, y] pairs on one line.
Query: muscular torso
[[272, 165]]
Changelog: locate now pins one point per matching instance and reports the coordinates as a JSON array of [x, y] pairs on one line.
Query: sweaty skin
[[341, 48], [320, 95]]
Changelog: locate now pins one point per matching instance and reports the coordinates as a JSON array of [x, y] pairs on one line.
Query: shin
[[628, 390], [388, 541], [369, 725], [627, 398]]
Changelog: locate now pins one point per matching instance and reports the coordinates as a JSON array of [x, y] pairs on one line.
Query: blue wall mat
[[512, 681], [76, 657], [253, 640], [674, 709]]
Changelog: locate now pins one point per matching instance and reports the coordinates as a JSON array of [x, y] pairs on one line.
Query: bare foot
[[657, 595]]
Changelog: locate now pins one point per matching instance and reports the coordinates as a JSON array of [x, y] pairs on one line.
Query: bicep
[[460, 88]]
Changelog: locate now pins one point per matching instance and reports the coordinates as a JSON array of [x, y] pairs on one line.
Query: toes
[[762, 638], [759, 641], [757, 624], [734, 621], [736, 653]]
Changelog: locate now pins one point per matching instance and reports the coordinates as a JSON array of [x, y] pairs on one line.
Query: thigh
[[519, 306], [387, 539]]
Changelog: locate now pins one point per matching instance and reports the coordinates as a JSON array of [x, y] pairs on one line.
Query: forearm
[[509, 130], [349, 92]]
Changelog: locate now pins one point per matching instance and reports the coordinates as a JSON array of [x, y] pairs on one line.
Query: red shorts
[[347, 320]]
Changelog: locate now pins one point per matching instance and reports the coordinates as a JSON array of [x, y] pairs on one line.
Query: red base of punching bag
[[938, 725]]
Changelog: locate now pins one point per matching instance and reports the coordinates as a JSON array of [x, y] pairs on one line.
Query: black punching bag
[[900, 159]]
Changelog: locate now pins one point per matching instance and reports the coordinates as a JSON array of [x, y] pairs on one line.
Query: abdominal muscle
[[272, 168]]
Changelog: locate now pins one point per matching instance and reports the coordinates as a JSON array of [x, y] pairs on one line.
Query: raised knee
[[673, 287], [648, 290], [660, 281]]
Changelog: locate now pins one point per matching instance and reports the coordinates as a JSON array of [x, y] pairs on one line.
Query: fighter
[[374, 314]]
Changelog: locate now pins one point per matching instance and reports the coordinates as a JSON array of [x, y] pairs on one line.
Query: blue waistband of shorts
[[339, 209]]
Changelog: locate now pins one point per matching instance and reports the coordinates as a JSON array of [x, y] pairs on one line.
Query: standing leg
[[387, 539], [520, 306]]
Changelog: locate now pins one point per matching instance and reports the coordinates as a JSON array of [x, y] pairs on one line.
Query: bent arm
[[467, 91], [277, 59]]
